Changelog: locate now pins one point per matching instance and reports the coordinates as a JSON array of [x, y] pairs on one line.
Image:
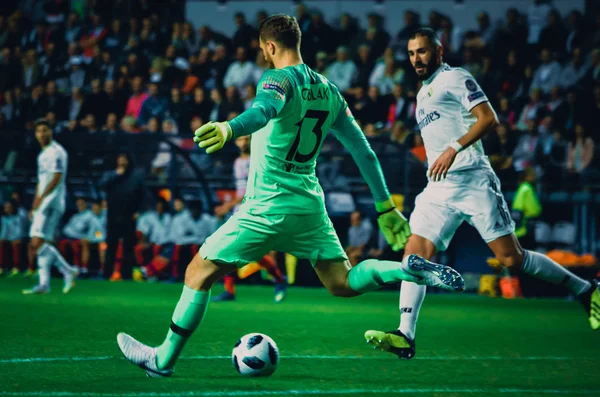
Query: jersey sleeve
[[462, 87], [351, 136], [273, 91], [57, 163]]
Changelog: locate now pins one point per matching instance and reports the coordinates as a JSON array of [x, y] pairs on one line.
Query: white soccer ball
[[255, 355]]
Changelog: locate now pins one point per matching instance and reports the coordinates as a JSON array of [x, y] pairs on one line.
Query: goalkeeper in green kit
[[284, 207]]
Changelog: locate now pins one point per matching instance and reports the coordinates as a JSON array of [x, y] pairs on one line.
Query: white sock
[[544, 268], [411, 299], [44, 263], [58, 260]]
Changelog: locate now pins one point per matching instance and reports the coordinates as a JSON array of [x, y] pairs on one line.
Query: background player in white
[[453, 114], [47, 209]]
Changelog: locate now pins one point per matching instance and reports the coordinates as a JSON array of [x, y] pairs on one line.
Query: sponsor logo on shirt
[[427, 119], [474, 96], [271, 86]]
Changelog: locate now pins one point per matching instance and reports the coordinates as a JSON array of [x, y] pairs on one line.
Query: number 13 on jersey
[[319, 117]]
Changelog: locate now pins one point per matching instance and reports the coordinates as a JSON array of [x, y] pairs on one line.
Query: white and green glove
[[393, 224], [212, 136]]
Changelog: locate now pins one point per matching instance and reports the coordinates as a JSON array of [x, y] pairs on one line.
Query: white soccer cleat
[[429, 273], [37, 290], [141, 355], [69, 281]]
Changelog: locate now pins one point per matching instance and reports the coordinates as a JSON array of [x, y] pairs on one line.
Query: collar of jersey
[[430, 79]]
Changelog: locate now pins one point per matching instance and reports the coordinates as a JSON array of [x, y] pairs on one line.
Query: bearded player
[[453, 114], [284, 207]]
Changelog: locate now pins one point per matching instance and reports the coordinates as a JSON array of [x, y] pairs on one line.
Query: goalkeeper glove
[[212, 136], [393, 224]]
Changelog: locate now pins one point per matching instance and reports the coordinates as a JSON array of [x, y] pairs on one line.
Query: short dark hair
[[281, 28], [43, 122], [429, 33]]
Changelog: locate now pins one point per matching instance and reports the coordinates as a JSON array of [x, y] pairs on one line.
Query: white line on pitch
[[302, 392], [315, 357]]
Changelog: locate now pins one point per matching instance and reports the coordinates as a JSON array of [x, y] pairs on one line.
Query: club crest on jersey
[[270, 86], [430, 92], [471, 85]]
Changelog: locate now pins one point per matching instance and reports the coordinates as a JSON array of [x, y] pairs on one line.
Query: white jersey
[[444, 103], [53, 159], [241, 170]]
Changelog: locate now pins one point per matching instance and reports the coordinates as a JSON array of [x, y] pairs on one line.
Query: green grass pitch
[[57, 345]]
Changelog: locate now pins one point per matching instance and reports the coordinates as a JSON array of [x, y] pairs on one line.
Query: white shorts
[[44, 223], [473, 196]]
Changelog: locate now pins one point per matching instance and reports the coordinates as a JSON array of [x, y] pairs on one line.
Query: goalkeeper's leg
[[191, 308]]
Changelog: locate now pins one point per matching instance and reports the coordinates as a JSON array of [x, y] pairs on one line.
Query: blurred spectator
[[359, 235], [400, 42], [190, 43], [218, 68], [402, 135], [358, 104], [527, 148], [111, 126], [470, 64], [303, 18], [553, 36], [11, 233], [556, 106], [581, 151], [376, 110], [153, 106], [93, 37], [11, 71], [249, 95], [201, 68], [348, 31], [239, 72], [537, 18], [594, 73], [505, 114], [364, 66], [575, 71], [418, 149], [75, 105], [232, 101], [50, 63], [74, 29], [321, 63], [319, 37], [485, 31], [376, 37], [450, 36], [531, 111], [525, 209], [511, 36], [343, 71], [385, 74], [96, 102], [134, 104], [31, 70], [400, 109], [577, 36], [244, 33], [177, 108], [115, 38], [77, 74], [10, 109], [210, 39], [116, 98], [547, 75], [124, 193], [554, 159], [34, 105], [219, 109], [499, 147]]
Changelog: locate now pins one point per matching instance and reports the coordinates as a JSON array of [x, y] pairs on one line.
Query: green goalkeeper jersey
[[292, 113]]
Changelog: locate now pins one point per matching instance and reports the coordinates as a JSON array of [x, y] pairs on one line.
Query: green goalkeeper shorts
[[246, 238]]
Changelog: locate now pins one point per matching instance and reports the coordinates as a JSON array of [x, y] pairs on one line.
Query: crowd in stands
[[103, 71]]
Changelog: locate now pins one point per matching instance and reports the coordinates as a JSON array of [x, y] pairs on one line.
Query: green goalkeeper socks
[[188, 313], [372, 274]]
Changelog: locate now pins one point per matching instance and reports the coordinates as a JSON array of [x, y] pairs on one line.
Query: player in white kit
[[47, 210], [453, 114]]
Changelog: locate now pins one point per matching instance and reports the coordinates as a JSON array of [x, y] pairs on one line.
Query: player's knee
[[36, 243], [201, 274], [512, 260], [340, 290]]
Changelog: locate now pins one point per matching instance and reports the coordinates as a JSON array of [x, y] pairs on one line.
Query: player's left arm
[[273, 91], [464, 89]]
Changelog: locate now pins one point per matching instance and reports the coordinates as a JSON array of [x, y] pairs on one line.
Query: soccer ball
[[255, 355]]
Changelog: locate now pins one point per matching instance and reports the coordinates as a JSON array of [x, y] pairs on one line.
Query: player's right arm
[[272, 92], [391, 221]]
